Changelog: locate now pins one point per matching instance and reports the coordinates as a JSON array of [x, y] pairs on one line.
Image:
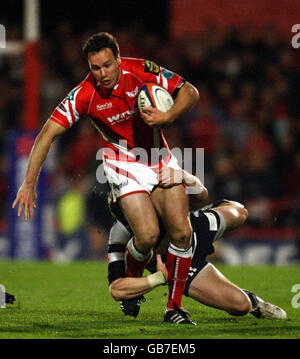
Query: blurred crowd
[[247, 121]]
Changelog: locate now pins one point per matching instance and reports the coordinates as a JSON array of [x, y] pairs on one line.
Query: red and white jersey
[[115, 114]]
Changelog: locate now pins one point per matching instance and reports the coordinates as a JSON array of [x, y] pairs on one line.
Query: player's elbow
[[192, 92], [115, 291], [196, 95]]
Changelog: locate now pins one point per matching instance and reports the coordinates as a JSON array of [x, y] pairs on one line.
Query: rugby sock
[[135, 260], [252, 298], [178, 264], [255, 310]]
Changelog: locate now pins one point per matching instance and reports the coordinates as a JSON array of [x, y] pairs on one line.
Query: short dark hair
[[99, 41]]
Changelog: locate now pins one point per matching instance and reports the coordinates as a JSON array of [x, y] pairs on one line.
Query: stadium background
[[247, 72]]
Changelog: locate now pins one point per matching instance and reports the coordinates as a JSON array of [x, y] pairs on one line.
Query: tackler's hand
[[169, 177], [161, 267]]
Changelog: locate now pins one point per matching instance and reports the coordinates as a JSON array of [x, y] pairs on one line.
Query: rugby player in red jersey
[[108, 96], [205, 284]]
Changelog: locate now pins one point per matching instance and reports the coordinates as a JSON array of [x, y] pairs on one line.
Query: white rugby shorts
[[126, 178]]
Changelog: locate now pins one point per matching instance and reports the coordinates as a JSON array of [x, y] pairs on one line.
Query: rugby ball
[[154, 95]]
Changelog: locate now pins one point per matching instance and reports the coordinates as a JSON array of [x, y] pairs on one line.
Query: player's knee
[[182, 237], [238, 206], [150, 238], [239, 213], [240, 304], [242, 214]]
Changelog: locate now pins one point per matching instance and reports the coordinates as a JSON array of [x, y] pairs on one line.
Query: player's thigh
[[140, 214], [172, 204], [212, 288]]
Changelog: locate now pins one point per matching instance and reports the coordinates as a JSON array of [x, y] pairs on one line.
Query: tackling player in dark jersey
[[205, 283]]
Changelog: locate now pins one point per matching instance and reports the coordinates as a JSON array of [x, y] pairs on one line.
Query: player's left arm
[[120, 286], [185, 100], [129, 287]]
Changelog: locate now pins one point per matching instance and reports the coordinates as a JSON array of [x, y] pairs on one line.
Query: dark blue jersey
[[207, 226]]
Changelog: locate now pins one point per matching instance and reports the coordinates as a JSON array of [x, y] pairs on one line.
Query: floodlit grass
[[59, 301]]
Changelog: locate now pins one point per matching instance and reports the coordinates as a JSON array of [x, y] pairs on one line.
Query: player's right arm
[[26, 195], [130, 287], [120, 286], [184, 93], [65, 115]]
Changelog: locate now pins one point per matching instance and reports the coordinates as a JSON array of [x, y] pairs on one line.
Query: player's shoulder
[[84, 90], [131, 63], [142, 69], [139, 65], [88, 83], [133, 69]]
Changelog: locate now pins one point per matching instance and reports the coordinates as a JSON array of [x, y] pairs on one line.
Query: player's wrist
[[170, 117], [188, 180], [29, 183], [156, 279]]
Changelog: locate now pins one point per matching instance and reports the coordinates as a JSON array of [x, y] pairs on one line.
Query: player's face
[[105, 67]]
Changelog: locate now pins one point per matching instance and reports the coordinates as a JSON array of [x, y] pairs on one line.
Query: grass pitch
[[71, 301]]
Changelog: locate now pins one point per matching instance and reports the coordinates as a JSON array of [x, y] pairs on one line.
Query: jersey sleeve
[[74, 105], [149, 71]]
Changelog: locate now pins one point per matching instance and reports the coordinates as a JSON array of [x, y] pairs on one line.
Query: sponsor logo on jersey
[[151, 67], [117, 187], [120, 117], [133, 93], [70, 95], [192, 271], [122, 184], [105, 106], [167, 74]]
